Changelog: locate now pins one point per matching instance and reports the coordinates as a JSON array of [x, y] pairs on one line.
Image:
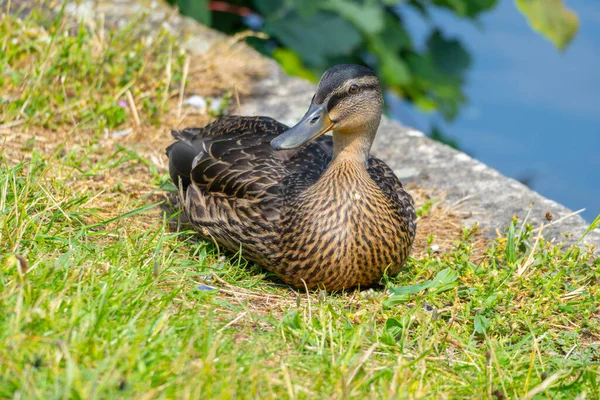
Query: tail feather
[[181, 157], [187, 134]]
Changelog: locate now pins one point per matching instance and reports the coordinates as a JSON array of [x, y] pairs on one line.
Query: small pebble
[[195, 101], [122, 133]]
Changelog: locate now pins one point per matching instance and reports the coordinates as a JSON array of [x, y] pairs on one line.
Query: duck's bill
[[315, 123]]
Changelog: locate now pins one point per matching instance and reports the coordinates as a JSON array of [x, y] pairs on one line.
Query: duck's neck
[[352, 147], [347, 173]]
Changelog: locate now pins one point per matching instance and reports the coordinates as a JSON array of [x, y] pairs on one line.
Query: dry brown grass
[[442, 224]]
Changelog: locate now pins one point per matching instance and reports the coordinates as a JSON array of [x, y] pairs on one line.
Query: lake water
[[534, 113]]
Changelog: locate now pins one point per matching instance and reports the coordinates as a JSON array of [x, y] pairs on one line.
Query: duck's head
[[348, 101]]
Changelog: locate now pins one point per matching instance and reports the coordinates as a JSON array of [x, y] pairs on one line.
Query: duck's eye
[[353, 89]]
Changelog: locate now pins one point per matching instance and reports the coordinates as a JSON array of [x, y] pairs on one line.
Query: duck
[[317, 210]]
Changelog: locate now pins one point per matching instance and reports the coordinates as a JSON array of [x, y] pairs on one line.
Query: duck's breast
[[342, 232]]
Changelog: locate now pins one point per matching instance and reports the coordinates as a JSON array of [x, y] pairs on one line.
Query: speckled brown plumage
[[311, 216]]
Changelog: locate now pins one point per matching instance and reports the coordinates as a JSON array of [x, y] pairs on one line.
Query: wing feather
[[235, 159], [389, 183]]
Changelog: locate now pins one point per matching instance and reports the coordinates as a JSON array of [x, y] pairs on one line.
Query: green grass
[[81, 73], [118, 301], [114, 310]]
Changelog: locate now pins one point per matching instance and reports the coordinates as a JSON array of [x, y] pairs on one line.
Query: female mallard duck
[[315, 212]]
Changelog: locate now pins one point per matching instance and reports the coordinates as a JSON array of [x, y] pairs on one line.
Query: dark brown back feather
[[234, 158], [389, 184]]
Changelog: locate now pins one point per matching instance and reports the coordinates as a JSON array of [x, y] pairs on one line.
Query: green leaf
[[481, 323], [466, 8], [449, 56], [394, 70], [393, 326], [443, 90], [551, 19], [394, 35], [425, 104], [395, 300], [491, 300], [292, 64], [197, 9], [411, 289], [305, 35], [368, 16], [305, 8], [268, 7], [446, 279]]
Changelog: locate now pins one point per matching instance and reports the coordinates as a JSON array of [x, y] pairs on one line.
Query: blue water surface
[[533, 112]]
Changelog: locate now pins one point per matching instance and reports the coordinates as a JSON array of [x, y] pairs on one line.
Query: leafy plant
[[551, 19], [308, 36], [445, 280]]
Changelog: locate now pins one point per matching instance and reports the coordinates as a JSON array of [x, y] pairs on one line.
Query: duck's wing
[[234, 182], [233, 157], [389, 183]]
